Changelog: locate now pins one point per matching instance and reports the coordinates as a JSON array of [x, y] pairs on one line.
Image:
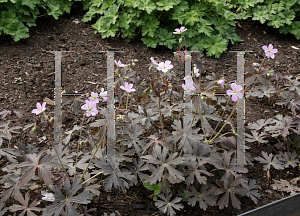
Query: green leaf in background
[[166, 4], [296, 29], [150, 27], [262, 16], [54, 10], [18, 31], [275, 21], [111, 14], [222, 26], [179, 16], [166, 38], [31, 3], [149, 41], [91, 14], [124, 21], [147, 5], [204, 27], [191, 17], [215, 45]]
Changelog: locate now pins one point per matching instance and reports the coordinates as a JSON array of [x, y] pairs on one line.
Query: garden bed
[[84, 70]]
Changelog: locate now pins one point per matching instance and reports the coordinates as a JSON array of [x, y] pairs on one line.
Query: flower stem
[[93, 154], [126, 102]]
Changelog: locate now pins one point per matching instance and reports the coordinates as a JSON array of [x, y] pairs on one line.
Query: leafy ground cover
[[84, 70]]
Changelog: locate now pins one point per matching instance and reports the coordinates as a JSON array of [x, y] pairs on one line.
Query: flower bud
[[143, 83], [129, 96], [170, 86], [133, 64], [51, 119], [33, 128], [135, 60], [150, 91], [180, 40]]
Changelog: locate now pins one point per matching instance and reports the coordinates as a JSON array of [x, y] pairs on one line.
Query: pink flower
[[164, 67], [269, 51], [90, 108], [153, 61], [119, 64], [128, 87], [94, 97], [188, 86], [221, 82], [235, 94], [39, 108], [196, 72], [180, 31], [103, 94]]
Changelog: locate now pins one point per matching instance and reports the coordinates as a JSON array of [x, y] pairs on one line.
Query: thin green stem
[[210, 141], [92, 177], [94, 154]]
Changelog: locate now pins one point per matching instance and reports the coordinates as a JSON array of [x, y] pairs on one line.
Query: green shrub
[[281, 14], [210, 23]]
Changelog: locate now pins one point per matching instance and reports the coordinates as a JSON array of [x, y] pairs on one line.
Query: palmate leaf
[[136, 167], [289, 159], [165, 38], [195, 169], [294, 103], [42, 164], [132, 138], [166, 205], [182, 134], [294, 85], [205, 197], [259, 13], [163, 164], [230, 188], [266, 92], [110, 14], [253, 192], [154, 141], [256, 137], [166, 4], [230, 144], [67, 201], [223, 162], [282, 126], [215, 45], [115, 177], [267, 159], [179, 16], [260, 124], [204, 27], [25, 207], [150, 27], [191, 17], [200, 151], [147, 5]]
